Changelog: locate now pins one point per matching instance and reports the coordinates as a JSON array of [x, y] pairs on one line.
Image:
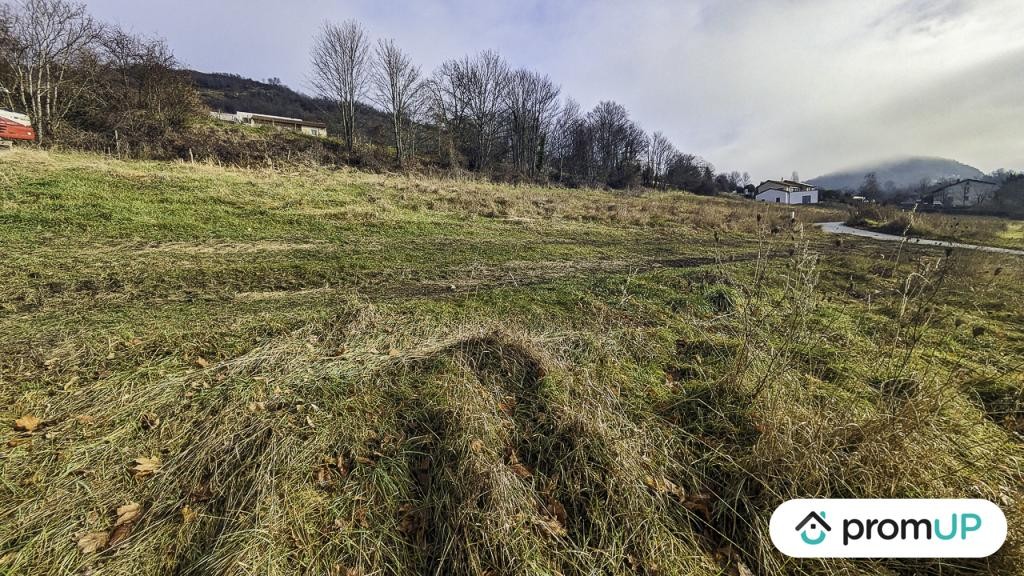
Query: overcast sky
[[769, 86]]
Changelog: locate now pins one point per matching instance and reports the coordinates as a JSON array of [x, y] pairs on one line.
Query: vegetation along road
[[840, 228]]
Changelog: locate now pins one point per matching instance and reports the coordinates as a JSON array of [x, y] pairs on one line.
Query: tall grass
[[344, 373]]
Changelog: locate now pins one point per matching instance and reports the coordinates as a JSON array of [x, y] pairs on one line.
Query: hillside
[[232, 93], [207, 370], [903, 173]]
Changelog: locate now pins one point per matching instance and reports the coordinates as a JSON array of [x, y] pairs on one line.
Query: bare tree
[[467, 97], [563, 134], [870, 188], [46, 52], [530, 101], [419, 117], [446, 105], [341, 65], [688, 172], [396, 82], [735, 180], [660, 152], [483, 81], [139, 93], [619, 145]]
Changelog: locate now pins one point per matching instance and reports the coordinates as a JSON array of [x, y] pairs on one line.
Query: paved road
[[840, 228]]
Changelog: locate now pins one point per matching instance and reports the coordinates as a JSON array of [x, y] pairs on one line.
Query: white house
[[281, 122], [786, 192], [962, 193]]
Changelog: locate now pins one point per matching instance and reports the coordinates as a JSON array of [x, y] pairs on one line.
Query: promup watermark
[[889, 528]]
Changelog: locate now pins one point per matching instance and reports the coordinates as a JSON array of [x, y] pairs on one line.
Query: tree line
[[89, 83], [478, 113], [77, 77]]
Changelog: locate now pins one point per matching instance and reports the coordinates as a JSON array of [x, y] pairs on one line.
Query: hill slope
[[903, 173], [232, 93]]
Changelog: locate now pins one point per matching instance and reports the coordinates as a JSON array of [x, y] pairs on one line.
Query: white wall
[[783, 197], [774, 196], [798, 197]]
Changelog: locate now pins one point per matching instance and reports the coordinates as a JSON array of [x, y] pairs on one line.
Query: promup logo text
[[859, 528]]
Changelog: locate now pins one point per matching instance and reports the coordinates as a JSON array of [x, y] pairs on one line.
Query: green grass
[[349, 373]]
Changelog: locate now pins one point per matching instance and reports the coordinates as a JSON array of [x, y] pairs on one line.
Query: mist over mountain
[[903, 173]]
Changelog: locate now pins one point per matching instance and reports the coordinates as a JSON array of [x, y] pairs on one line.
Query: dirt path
[[840, 228]]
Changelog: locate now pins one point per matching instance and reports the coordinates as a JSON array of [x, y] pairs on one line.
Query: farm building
[[961, 193], [293, 124], [786, 192]]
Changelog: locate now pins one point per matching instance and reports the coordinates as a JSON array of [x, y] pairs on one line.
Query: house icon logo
[[813, 522]]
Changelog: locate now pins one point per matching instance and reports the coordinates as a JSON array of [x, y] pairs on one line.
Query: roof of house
[[948, 184], [788, 184], [282, 119]]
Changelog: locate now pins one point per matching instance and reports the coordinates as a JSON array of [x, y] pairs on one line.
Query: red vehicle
[[14, 126]]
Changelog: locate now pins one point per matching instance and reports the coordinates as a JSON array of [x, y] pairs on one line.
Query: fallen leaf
[[553, 526], [146, 466], [557, 510], [666, 486], [149, 420], [119, 534], [699, 503], [128, 513], [202, 362], [188, 514], [27, 423], [323, 476], [359, 517], [92, 542], [517, 467], [340, 463], [520, 470]]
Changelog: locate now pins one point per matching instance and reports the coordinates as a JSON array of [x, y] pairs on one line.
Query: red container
[[10, 130]]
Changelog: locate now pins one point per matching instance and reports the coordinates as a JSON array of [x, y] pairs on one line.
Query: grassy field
[[971, 229], [206, 370]]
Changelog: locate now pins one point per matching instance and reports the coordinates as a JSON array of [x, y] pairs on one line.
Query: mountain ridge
[[903, 172]]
